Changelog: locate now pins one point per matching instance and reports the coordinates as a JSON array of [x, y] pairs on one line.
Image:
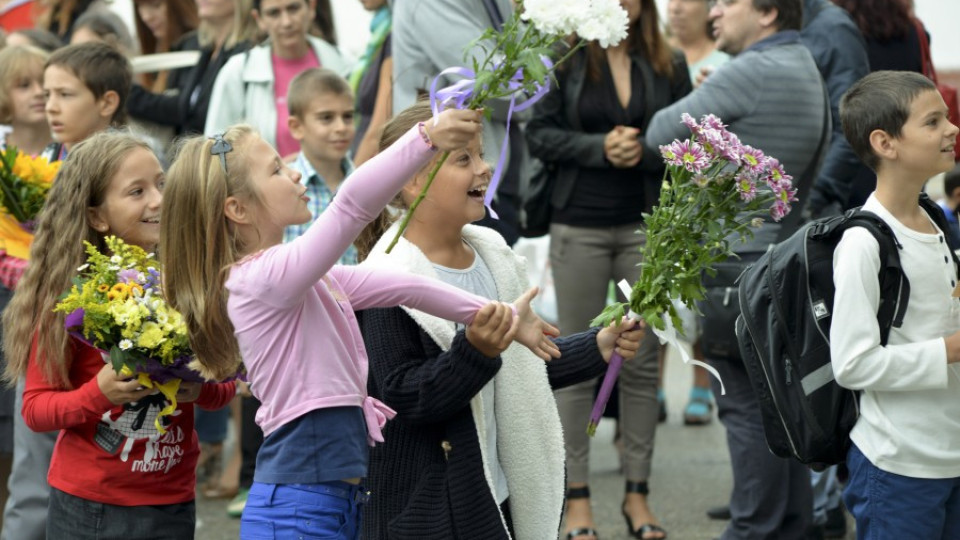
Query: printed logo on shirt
[[134, 426]]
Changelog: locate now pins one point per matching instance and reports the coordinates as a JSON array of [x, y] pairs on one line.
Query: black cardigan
[[427, 479], [555, 134], [175, 110]]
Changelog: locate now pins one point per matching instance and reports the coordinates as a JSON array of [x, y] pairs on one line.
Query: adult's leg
[[582, 265], [25, 514], [771, 496], [639, 407]]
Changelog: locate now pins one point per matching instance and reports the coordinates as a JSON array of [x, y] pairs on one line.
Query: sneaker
[[719, 513], [236, 505], [699, 410]]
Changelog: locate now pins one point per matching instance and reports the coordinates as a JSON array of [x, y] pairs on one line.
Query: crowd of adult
[[773, 70]]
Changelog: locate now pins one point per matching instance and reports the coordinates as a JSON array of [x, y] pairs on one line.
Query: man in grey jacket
[[772, 96], [430, 36]]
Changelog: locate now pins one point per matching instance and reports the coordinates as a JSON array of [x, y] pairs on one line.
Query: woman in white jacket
[[252, 87]]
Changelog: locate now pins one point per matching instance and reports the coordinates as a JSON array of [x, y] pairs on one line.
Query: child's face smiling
[[326, 130], [131, 206], [457, 193], [72, 110], [927, 139]]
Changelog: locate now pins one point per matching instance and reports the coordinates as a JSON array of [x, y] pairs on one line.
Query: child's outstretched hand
[[120, 389], [625, 337], [492, 329], [533, 332], [454, 128]]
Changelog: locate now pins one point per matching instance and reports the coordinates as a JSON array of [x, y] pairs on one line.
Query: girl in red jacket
[[112, 474]]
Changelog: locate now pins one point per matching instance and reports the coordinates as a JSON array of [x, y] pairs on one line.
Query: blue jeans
[[888, 505], [74, 518], [320, 511], [211, 426]]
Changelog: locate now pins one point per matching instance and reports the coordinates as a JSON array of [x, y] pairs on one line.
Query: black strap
[[936, 214], [791, 223], [494, 13], [889, 314]]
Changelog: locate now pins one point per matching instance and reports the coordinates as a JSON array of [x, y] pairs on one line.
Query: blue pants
[[326, 510], [888, 505]]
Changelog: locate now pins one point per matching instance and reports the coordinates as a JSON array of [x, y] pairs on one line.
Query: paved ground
[[690, 474]]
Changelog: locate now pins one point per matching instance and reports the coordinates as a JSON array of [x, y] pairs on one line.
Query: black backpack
[[786, 299]]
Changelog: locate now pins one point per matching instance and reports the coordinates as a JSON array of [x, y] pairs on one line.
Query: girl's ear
[[108, 104], [97, 219], [236, 211], [412, 188]]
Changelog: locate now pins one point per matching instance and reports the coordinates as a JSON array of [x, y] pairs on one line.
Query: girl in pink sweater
[[286, 310]]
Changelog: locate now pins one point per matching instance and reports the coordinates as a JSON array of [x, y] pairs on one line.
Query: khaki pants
[[584, 260]]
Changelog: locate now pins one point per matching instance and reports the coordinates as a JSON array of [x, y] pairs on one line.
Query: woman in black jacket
[[226, 28], [587, 130]]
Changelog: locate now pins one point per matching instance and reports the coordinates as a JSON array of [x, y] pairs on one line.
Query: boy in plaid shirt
[[321, 120]]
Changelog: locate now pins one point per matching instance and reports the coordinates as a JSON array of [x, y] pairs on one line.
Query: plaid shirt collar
[[320, 198]]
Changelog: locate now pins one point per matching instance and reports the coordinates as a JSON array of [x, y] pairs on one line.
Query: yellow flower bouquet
[[116, 305], [24, 184]]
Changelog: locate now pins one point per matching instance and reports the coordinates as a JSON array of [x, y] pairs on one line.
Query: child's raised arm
[[369, 287], [298, 265]]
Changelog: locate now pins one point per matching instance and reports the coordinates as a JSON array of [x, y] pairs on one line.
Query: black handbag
[[536, 210]]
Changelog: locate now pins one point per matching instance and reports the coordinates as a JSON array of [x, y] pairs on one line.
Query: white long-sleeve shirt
[[910, 406]]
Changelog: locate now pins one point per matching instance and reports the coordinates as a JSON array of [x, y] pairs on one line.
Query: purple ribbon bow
[[458, 94]]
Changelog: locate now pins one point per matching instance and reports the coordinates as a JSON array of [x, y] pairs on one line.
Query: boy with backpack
[[905, 458]]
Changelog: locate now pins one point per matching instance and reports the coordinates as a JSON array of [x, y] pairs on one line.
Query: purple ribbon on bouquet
[[459, 93], [157, 371]]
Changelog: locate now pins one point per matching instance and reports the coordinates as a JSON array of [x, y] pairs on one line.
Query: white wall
[[942, 19]]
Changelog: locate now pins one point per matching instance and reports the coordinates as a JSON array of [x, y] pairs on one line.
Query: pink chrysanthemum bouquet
[[713, 192]]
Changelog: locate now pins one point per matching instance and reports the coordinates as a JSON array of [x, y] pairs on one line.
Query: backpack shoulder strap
[[891, 277]]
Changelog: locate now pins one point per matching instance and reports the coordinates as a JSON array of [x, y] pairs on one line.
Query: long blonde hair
[[57, 251], [17, 62], [199, 244]]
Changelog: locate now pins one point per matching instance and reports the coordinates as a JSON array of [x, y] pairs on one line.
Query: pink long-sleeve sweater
[[292, 307]]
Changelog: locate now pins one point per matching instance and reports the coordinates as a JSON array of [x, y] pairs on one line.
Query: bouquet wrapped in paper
[[715, 188], [24, 184], [116, 305]]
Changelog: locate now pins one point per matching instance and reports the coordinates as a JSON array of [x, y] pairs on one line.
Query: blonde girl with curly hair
[[108, 456]]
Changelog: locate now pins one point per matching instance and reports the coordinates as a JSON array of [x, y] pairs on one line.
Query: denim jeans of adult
[[826, 493], [74, 518], [25, 514], [891, 506], [771, 497], [324, 510]]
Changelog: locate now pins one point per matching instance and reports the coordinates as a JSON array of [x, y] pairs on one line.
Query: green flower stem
[[416, 202]]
